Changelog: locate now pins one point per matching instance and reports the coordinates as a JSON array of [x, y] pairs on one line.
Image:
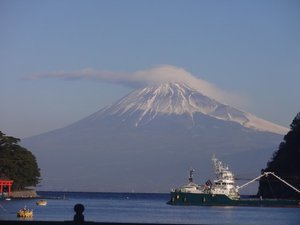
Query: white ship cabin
[[191, 187], [225, 182]]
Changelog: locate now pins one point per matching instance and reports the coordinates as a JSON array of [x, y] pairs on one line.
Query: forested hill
[[286, 164], [17, 163]]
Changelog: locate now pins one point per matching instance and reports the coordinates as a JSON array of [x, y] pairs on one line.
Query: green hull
[[183, 198]]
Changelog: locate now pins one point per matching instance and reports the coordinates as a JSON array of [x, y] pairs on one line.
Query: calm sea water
[[145, 208]]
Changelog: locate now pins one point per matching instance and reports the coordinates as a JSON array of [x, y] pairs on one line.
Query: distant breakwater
[[25, 194]]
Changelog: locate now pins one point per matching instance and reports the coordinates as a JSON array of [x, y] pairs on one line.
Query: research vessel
[[223, 191]]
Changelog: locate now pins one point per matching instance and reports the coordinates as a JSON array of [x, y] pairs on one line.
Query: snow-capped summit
[[147, 141], [177, 98]]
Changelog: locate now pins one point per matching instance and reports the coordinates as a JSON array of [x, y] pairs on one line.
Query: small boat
[[42, 202], [25, 213], [224, 192]]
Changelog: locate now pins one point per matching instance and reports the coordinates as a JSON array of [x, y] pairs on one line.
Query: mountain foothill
[[149, 139]]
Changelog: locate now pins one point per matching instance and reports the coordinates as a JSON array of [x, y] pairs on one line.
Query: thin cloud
[[85, 74], [157, 75]]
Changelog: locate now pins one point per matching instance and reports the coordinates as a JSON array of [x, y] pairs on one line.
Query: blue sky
[[249, 49]]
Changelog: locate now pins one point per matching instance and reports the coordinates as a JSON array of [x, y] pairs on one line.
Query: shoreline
[[25, 194]]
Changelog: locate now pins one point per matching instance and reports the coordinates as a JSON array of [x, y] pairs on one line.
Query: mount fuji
[[149, 139]]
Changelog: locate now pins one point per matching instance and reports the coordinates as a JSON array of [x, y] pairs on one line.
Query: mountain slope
[[148, 140], [178, 99]]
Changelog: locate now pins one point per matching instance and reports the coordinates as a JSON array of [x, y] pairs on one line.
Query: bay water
[[143, 208]]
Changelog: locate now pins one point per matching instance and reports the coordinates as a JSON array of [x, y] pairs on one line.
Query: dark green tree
[[286, 164], [17, 163]]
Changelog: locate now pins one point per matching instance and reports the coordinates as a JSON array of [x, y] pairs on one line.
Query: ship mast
[[217, 165], [191, 175]]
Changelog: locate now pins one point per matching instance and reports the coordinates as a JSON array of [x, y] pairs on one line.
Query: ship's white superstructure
[[223, 184], [192, 187]]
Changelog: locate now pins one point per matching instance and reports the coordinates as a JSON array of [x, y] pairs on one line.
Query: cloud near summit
[[156, 75]]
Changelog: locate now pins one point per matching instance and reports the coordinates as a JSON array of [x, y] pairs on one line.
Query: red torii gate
[[6, 183]]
